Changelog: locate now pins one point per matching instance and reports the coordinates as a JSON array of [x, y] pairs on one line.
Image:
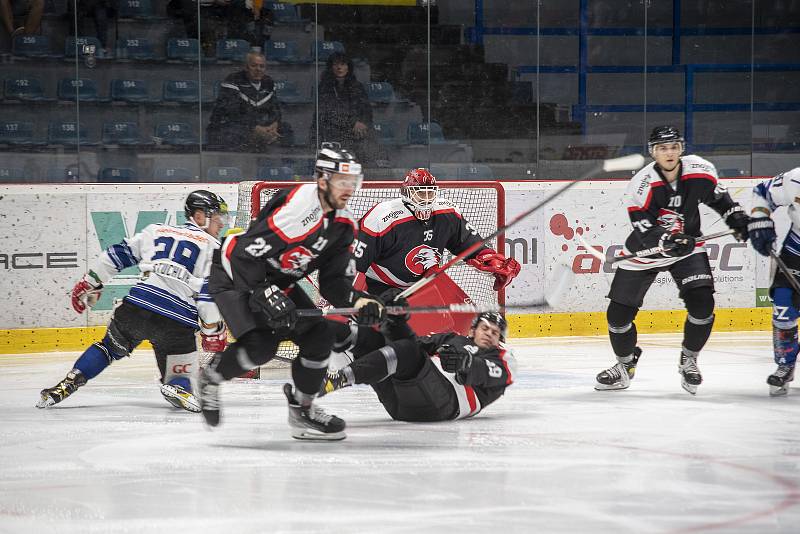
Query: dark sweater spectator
[[247, 115], [33, 18]]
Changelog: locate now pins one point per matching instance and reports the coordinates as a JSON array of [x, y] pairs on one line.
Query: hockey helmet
[[493, 318], [664, 134], [419, 192], [206, 201], [333, 159]]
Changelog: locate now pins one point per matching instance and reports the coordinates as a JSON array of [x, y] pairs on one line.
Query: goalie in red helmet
[[402, 239]]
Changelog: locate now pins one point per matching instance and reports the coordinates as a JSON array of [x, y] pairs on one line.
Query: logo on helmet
[[422, 258]]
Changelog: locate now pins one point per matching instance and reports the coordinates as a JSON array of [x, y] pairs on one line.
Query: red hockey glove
[[213, 337], [86, 292], [504, 269]]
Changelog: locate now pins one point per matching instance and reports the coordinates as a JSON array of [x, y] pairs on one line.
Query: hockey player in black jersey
[[254, 283], [662, 200], [437, 377]]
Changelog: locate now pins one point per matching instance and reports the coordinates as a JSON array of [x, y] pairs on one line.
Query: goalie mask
[[493, 318], [419, 192], [205, 201], [335, 162], [664, 134]]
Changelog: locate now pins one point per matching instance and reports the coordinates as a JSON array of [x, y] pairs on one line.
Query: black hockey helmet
[[492, 318], [206, 201], [333, 159], [664, 134]]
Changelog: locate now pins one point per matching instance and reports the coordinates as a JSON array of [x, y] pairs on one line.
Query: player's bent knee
[[700, 303], [784, 310], [620, 317]]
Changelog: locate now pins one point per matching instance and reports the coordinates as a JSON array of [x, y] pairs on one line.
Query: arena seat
[[183, 49], [116, 174], [173, 174], [138, 48], [121, 133], [181, 91], [325, 49], [223, 174], [68, 133], [16, 133], [232, 49], [130, 91], [83, 89], [36, 46], [24, 88], [176, 133], [417, 133]]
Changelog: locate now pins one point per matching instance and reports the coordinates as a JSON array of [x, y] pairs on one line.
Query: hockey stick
[[625, 163], [401, 310], [646, 253], [785, 270]]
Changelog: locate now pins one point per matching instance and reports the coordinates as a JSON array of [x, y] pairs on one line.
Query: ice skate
[[312, 423], [619, 375], [180, 398], [209, 399], [333, 380], [690, 373], [780, 379], [62, 390]]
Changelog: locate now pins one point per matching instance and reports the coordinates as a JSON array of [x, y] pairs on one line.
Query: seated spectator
[[33, 20], [247, 115], [345, 114], [98, 10]]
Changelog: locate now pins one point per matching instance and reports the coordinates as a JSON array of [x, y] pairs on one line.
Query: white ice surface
[[553, 455]]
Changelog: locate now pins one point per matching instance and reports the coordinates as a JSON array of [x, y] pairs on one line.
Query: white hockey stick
[[625, 163], [646, 253]]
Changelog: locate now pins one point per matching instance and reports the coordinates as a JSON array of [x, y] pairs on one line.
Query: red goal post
[[482, 203]]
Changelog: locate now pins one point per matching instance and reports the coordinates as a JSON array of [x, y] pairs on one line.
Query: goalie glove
[[86, 292], [371, 310], [272, 301], [455, 360], [504, 269], [213, 337]]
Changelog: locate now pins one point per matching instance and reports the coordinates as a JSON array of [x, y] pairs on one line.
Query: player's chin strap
[[648, 253], [626, 163]]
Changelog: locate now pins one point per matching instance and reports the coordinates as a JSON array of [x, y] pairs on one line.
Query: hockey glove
[[676, 245], [86, 292], [762, 234], [390, 298], [370, 308], [455, 360], [272, 301], [504, 269], [738, 221], [213, 337]]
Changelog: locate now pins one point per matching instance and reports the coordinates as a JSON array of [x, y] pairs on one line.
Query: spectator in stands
[[250, 20], [345, 114], [33, 19], [98, 10], [247, 115]]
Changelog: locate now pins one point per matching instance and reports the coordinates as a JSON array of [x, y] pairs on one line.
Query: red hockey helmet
[[419, 192]]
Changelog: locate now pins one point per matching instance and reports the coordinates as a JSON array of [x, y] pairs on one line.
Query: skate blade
[[45, 402], [614, 387], [306, 434], [212, 419], [691, 388], [778, 391], [184, 401]]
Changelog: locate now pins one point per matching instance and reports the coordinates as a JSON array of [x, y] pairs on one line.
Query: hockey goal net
[[481, 204]]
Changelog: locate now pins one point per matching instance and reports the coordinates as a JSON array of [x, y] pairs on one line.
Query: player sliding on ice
[[162, 308], [662, 200]]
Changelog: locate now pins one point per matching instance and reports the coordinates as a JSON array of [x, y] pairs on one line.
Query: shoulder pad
[[299, 215], [696, 165], [641, 183], [383, 214]]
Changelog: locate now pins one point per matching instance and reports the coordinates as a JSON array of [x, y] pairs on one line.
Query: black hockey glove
[[390, 298], [762, 234], [371, 310], [738, 221], [271, 301], [455, 360], [676, 245]]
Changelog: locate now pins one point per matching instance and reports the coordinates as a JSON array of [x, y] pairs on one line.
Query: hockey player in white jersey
[[166, 307], [662, 201], [768, 196]]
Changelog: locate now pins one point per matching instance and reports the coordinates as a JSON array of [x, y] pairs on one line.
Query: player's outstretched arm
[[504, 269]]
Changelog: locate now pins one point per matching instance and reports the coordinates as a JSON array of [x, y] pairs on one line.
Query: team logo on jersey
[[422, 258], [296, 259], [671, 220]]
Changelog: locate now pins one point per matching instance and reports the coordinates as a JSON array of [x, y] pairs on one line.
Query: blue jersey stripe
[[160, 302]]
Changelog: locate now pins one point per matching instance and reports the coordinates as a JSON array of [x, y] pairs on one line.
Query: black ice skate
[[779, 380], [209, 399], [333, 380], [180, 398], [619, 375], [312, 422], [62, 390], [690, 373]]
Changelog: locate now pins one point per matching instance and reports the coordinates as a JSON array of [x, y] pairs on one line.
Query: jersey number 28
[[184, 252]]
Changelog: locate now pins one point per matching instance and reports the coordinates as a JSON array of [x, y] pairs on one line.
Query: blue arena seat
[[135, 9], [417, 133], [462, 171], [173, 174], [380, 92], [232, 49], [135, 48], [32, 46], [275, 174], [16, 133], [116, 174], [23, 88], [121, 133], [13, 174], [384, 132], [284, 13], [176, 133], [183, 49], [130, 91], [325, 49], [67, 133], [288, 93], [223, 174], [83, 89], [80, 42], [182, 91], [283, 52]]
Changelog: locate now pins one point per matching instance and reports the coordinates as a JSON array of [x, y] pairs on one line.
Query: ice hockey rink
[[553, 455]]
